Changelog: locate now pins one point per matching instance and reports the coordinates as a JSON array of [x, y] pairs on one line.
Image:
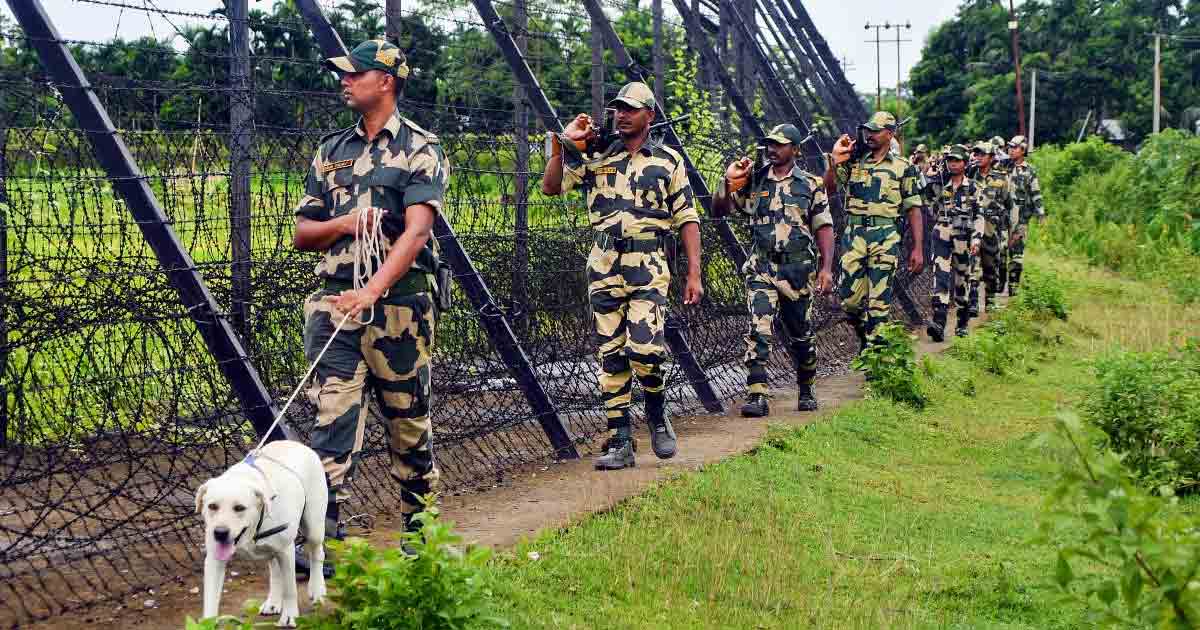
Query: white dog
[[257, 508]]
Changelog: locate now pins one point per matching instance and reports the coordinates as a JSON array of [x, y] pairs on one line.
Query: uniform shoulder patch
[[669, 151], [428, 135]]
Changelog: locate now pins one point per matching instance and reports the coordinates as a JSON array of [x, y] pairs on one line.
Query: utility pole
[[1016, 52], [1157, 81], [878, 59], [1032, 108]]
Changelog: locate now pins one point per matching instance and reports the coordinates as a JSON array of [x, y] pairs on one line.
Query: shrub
[[1148, 407], [1129, 556], [891, 367], [1042, 296], [441, 588]]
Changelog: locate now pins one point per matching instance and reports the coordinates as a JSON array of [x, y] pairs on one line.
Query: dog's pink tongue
[[224, 551]]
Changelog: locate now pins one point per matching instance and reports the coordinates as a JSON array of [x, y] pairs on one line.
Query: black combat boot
[[618, 454], [1014, 278], [805, 401], [334, 530], [964, 317], [756, 406], [662, 434], [860, 331], [937, 327]]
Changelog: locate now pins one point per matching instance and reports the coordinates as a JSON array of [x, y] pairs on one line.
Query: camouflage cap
[[922, 149], [373, 54], [983, 146], [635, 94], [784, 134], [999, 142], [881, 120], [1019, 141], [957, 152]]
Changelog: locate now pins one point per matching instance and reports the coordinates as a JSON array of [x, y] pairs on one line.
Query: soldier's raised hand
[[842, 148], [580, 128], [738, 169]]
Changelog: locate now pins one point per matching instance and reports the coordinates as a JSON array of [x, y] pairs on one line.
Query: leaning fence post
[[520, 271], [660, 92], [597, 75], [3, 282], [241, 133]]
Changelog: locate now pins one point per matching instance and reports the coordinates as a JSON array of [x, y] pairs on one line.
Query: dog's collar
[[258, 533]]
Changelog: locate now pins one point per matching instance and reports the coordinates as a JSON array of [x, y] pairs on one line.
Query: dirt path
[[532, 499]]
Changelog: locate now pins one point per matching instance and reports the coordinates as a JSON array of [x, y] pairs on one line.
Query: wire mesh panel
[[113, 410]]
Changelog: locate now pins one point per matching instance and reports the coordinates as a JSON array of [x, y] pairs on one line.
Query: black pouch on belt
[[445, 281]]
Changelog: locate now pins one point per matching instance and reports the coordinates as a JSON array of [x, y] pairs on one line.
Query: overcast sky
[[842, 27]]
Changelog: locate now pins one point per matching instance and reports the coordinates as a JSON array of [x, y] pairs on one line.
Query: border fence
[[150, 295]]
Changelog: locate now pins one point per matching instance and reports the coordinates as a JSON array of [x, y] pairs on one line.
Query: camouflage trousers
[[951, 265], [778, 290], [389, 359], [869, 258], [991, 265], [1016, 257], [627, 293]]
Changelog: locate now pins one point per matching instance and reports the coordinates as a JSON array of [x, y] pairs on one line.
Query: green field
[[876, 516]]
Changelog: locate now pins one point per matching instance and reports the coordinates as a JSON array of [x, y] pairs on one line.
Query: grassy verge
[[877, 516]]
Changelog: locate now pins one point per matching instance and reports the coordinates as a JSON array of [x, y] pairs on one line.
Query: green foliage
[[1041, 295], [1131, 557], [891, 367], [1148, 407], [440, 588], [1089, 56], [1130, 213]]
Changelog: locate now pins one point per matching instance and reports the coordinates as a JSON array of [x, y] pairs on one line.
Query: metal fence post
[[241, 138], [4, 301], [520, 272]]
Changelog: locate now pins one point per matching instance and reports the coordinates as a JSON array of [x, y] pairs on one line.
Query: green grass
[[877, 516]]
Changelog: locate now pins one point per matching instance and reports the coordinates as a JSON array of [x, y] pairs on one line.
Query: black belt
[[781, 258], [644, 244], [869, 220], [412, 283]]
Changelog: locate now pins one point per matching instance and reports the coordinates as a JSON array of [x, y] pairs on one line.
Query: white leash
[[369, 255]]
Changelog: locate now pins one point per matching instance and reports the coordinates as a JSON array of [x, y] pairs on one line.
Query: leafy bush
[[1131, 557], [1041, 295], [1148, 407], [440, 588], [891, 367], [1131, 213]]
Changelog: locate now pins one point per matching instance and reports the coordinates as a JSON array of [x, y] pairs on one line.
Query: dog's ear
[[200, 497]]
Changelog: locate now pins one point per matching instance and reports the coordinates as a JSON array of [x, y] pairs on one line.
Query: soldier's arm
[[821, 222], [565, 166], [418, 226], [685, 219], [1035, 191], [315, 231], [912, 202], [834, 161]]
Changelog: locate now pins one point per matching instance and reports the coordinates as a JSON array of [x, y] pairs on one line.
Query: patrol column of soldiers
[[788, 212], [387, 167], [637, 191]]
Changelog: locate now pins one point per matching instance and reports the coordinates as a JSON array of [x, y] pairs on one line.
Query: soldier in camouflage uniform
[[637, 192], [999, 212], [957, 235], [788, 213], [384, 166], [1027, 195], [880, 187]]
